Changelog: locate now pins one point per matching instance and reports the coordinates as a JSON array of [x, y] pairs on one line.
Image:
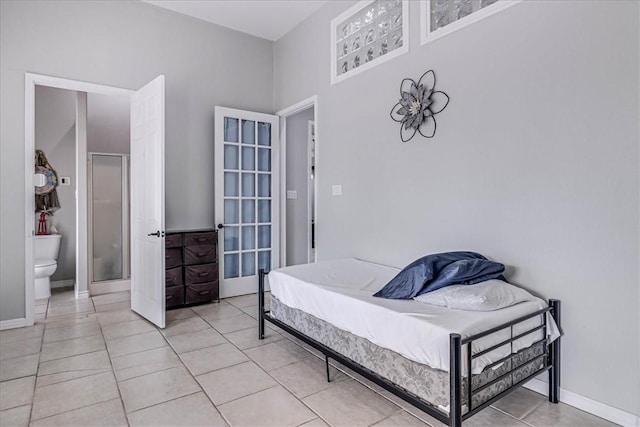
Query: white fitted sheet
[[341, 292]]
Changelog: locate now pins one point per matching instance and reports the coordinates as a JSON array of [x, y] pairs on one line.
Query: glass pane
[[231, 184], [248, 237], [264, 236], [264, 210], [264, 185], [248, 158], [264, 260], [231, 238], [231, 211], [362, 37], [231, 266], [248, 211], [248, 264], [230, 129], [107, 218], [264, 159], [248, 132], [248, 185], [264, 133], [230, 156]]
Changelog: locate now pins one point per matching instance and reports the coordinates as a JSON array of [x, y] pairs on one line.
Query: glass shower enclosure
[[109, 241]]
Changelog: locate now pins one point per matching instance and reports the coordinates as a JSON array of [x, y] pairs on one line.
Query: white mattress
[[341, 292]]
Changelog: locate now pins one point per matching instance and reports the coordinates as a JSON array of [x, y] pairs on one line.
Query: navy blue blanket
[[439, 270]]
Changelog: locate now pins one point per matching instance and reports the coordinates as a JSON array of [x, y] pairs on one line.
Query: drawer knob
[[169, 297], [203, 274], [204, 292], [201, 254]]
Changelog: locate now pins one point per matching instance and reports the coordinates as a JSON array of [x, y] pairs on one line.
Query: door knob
[[157, 234], [220, 226]]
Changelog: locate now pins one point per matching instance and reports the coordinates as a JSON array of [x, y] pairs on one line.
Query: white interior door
[[147, 202], [247, 186]]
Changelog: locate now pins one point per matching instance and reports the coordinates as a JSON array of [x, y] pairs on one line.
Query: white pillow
[[484, 296]]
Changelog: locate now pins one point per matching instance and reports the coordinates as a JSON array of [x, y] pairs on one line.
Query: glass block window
[[440, 17], [369, 33]]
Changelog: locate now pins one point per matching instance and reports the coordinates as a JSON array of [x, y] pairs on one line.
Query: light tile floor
[[94, 362]]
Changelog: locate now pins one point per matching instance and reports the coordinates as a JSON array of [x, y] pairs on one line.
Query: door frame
[[305, 104], [31, 81]]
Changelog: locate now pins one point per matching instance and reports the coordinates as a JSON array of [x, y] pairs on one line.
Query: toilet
[[46, 254]]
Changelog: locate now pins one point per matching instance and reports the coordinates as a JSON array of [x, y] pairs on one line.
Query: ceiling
[[268, 19]]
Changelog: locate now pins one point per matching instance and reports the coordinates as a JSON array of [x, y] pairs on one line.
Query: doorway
[[67, 123], [299, 150], [147, 191]]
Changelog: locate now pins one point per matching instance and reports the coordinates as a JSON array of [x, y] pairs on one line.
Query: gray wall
[[535, 164], [124, 44], [56, 136], [108, 129], [297, 179]]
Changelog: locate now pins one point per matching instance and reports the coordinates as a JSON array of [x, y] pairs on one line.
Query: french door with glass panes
[[247, 185]]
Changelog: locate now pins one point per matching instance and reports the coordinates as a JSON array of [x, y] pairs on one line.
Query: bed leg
[[455, 379], [261, 304], [554, 355], [326, 363]]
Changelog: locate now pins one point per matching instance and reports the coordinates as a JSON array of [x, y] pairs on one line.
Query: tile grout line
[[530, 411], [35, 381], [113, 372], [190, 373], [512, 416], [103, 370], [277, 381], [71, 410]]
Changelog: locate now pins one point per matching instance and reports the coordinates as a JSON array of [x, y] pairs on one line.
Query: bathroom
[[81, 245]]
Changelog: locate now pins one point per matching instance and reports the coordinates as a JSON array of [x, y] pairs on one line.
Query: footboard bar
[[261, 311], [549, 359], [554, 356]]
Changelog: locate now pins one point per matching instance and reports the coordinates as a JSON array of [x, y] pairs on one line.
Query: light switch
[[336, 190], [292, 194], [65, 180]]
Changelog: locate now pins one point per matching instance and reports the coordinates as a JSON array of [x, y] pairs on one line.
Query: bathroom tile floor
[[94, 362]]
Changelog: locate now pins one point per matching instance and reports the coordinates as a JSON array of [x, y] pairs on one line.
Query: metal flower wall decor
[[418, 105]]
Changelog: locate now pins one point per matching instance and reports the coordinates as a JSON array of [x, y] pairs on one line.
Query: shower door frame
[[126, 213]]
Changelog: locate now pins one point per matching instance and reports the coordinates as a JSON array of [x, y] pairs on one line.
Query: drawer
[[201, 292], [200, 254], [173, 277], [172, 257], [201, 273], [173, 241], [194, 239], [174, 295]]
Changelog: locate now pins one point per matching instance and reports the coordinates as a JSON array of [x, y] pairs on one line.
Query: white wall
[[534, 163], [124, 44], [298, 180], [108, 124]]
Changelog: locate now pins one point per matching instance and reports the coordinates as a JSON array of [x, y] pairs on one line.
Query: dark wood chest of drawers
[[191, 263]]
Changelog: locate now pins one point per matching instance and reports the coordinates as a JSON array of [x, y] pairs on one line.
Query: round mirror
[[39, 180]]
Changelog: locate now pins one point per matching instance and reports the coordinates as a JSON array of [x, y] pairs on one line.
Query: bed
[[448, 363]]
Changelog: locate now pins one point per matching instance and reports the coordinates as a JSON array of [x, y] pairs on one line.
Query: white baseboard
[[82, 295], [591, 406], [12, 323], [109, 287], [62, 283]]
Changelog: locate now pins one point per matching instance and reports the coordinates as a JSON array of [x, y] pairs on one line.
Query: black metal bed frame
[[550, 356]]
